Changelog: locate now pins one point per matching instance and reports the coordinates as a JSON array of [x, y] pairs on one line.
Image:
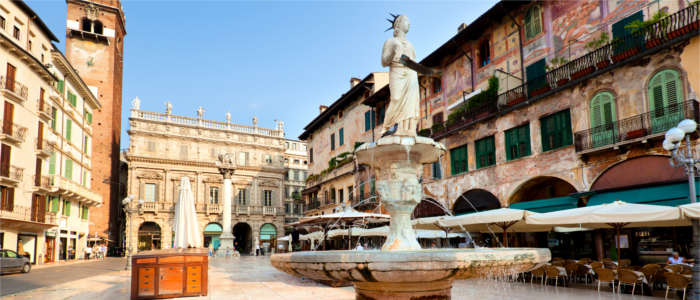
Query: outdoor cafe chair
[[571, 270], [674, 268], [609, 265], [537, 273], [596, 265], [686, 270], [605, 275], [659, 278], [627, 277], [559, 263], [650, 271], [585, 260], [552, 272], [676, 282], [583, 271], [624, 262]]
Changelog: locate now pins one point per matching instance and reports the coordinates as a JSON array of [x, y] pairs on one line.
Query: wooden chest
[[169, 273]]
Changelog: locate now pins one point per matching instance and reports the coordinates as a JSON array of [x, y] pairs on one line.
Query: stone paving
[[254, 278]]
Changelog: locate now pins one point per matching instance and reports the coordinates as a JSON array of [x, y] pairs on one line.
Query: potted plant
[[654, 27], [424, 132]]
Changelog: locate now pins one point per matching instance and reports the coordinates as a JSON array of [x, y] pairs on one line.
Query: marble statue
[[200, 112], [255, 121], [402, 116], [228, 117], [168, 107], [136, 103]]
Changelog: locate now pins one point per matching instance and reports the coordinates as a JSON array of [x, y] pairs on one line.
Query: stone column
[[226, 237]]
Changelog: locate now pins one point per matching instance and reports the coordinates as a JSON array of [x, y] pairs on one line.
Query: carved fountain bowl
[[419, 266]]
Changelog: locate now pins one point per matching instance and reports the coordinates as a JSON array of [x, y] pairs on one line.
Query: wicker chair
[[585, 260], [553, 272], [627, 277], [650, 271], [537, 273], [584, 272], [605, 275], [659, 278], [559, 263], [609, 264], [624, 262], [596, 265], [686, 270], [676, 282], [571, 270], [675, 268]]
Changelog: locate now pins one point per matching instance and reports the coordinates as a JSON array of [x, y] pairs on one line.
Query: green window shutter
[[602, 109], [340, 137], [69, 129], [61, 86], [368, 123], [84, 214], [437, 172], [88, 117], [458, 160], [556, 130], [372, 186], [533, 22], [67, 208], [332, 141], [518, 142], [524, 140], [54, 204], [362, 191], [373, 118], [52, 164], [68, 171], [535, 75], [54, 115], [72, 99], [85, 144], [485, 155]]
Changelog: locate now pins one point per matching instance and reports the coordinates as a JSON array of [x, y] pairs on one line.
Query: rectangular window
[[518, 142], [268, 197], [66, 208], [16, 32], [332, 195], [437, 85], [362, 191], [350, 195], [68, 169], [85, 212], [485, 152], [52, 164], [340, 195], [54, 115], [372, 186], [296, 175], [458, 160], [341, 140], [72, 99], [61, 85], [332, 141], [149, 192], [242, 197], [69, 129], [29, 45], [268, 159], [382, 113], [214, 195], [86, 141], [2, 22], [369, 120], [437, 172], [5, 155], [311, 155], [484, 53], [88, 117], [7, 202], [556, 130]]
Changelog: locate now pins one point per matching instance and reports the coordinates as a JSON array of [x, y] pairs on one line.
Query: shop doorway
[[26, 246], [62, 248], [268, 237], [50, 250], [211, 235], [242, 234], [149, 236]]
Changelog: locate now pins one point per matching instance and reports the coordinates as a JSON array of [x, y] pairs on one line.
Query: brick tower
[[95, 33]]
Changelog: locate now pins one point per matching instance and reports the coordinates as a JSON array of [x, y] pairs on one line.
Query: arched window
[[97, 27], [665, 96], [86, 24], [533, 22], [602, 119]]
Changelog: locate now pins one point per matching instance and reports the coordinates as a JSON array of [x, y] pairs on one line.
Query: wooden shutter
[[332, 141], [41, 99], [69, 129], [52, 164], [54, 204], [10, 81], [66, 207], [68, 170], [42, 208], [535, 75], [8, 118], [368, 123], [10, 199], [54, 115], [5, 160], [40, 136], [340, 137], [37, 173]]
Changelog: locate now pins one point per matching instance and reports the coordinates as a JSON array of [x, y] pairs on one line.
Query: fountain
[[401, 269]]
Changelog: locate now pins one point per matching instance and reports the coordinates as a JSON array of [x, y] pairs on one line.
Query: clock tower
[[95, 33]]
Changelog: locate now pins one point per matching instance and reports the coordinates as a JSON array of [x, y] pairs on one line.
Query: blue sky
[[276, 60]]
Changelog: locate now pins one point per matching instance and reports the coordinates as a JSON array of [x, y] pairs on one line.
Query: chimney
[[354, 81], [461, 27], [322, 108]]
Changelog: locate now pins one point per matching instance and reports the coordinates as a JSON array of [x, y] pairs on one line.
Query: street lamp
[[684, 157], [129, 212]]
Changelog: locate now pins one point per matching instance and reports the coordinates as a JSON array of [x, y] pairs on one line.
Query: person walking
[[88, 252], [257, 249]]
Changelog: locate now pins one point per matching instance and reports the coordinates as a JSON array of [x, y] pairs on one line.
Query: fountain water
[[401, 270]]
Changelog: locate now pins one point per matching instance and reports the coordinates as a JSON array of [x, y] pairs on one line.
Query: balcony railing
[[161, 117], [13, 175], [24, 213], [14, 132], [652, 123], [269, 211], [43, 109], [660, 35], [71, 189], [43, 148], [16, 89], [215, 208]]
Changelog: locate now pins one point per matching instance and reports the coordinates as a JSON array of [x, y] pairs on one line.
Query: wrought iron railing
[[678, 26], [43, 108], [313, 205], [12, 172], [14, 86], [650, 123], [15, 131]]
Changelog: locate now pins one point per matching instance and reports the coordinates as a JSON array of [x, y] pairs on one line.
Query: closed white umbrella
[[616, 215], [185, 224]]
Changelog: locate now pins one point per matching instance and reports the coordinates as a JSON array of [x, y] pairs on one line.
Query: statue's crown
[[392, 21]]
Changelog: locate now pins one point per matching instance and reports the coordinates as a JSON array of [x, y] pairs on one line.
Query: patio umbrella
[[504, 219], [691, 210], [617, 215], [432, 223], [185, 224], [347, 216]]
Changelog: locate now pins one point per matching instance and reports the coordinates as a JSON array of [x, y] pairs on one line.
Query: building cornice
[[77, 81], [164, 161], [27, 57], [202, 138]]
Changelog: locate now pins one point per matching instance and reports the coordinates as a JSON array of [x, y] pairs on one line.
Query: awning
[[547, 205], [691, 210], [669, 195]]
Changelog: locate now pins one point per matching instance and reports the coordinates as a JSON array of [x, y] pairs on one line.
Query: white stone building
[[296, 162]]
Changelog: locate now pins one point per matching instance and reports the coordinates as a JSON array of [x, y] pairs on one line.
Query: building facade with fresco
[[164, 148], [583, 92]]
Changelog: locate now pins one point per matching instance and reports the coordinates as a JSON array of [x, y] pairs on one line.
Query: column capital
[[227, 172]]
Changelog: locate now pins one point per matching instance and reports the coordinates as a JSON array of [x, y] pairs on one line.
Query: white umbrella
[[420, 233], [347, 216], [617, 215], [691, 210], [495, 220], [185, 224], [428, 223]]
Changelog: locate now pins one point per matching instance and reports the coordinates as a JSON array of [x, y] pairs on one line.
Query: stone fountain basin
[[419, 266]]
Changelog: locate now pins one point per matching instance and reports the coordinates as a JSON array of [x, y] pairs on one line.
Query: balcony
[[44, 110], [22, 217], [42, 183], [43, 149], [151, 206], [13, 133], [86, 35], [637, 129], [11, 176], [269, 211], [13, 89], [214, 209], [661, 35], [71, 190], [242, 210]]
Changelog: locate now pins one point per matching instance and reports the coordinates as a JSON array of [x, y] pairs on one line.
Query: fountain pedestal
[[402, 270]]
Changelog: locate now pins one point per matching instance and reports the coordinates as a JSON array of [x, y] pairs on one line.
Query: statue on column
[[403, 113], [168, 107]]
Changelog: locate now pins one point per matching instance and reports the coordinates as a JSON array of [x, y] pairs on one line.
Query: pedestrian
[[103, 251], [257, 249], [211, 249], [88, 252], [359, 247]]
